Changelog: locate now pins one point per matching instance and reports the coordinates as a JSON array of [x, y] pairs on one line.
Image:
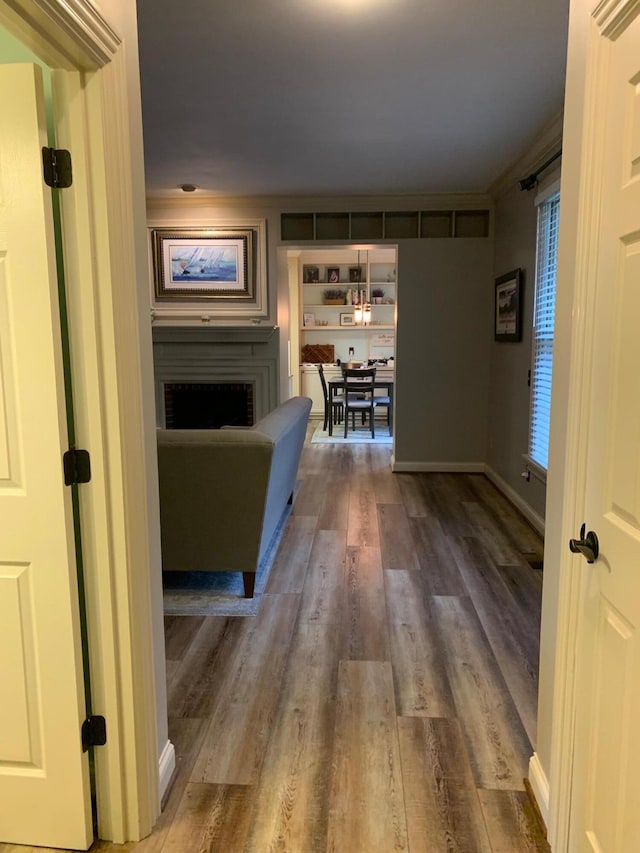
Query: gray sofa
[[223, 492]]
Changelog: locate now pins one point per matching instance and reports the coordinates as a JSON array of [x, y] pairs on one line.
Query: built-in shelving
[[364, 277], [385, 225]]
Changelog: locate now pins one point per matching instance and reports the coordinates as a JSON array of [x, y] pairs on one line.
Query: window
[[543, 327]]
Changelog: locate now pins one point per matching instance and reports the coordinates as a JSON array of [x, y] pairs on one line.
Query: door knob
[[587, 545]]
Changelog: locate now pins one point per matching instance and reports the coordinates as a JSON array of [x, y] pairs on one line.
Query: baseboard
[[539, 787], [439, 467], [166, 770], [530, 514]]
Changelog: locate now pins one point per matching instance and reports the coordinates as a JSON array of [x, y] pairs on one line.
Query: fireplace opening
[[208, 405]]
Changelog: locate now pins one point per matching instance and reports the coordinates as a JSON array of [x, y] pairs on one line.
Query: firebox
[[208, 405]]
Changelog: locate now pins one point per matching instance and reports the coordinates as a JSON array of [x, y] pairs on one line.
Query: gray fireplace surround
[[234, 354]]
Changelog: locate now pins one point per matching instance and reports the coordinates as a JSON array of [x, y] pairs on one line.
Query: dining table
[[335, 385]]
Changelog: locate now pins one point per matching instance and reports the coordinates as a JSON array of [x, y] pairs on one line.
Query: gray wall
[[444, 309], [445, 302], [515, 246]]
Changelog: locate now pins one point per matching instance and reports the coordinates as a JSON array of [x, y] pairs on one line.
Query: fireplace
[[215, 375], [208, 405]]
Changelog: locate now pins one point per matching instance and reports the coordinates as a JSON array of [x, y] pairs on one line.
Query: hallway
[[384, 698]]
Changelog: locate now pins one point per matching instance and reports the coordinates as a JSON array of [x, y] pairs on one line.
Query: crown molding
[[614, 16], [71, 30], [546, 144], [170, 200]]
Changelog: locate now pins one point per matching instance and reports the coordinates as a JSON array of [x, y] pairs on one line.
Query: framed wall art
[[508, 307], [219, 268], [203, 263], [310, 274]]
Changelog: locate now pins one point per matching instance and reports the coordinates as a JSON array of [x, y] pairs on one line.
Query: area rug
[[219, 593], [360, 436]]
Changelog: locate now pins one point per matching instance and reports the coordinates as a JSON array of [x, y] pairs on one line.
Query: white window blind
[[543, 328]]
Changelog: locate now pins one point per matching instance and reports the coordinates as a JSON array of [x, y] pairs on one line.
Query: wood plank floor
[[384, 699]]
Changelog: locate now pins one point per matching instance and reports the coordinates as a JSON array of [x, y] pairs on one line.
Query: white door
[[44, 775], [605, 806]]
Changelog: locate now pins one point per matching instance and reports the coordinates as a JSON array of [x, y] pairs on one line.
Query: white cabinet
[[311, 386]]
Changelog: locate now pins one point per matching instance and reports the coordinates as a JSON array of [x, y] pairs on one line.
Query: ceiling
[[345, 97]]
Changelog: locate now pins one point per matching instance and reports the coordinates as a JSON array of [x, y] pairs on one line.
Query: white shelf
[[370, 328], [322, 305], [345, 286]]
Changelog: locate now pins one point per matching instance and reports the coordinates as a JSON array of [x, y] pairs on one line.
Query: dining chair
[[359, 396], [336, 405], [384, 400]]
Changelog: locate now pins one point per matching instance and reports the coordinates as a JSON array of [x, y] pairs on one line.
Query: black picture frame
[[355, 274], [508, 307], [333, 275], [310, 274]]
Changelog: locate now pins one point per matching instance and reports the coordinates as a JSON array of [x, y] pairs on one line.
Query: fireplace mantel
[[214, 334], [218, 354]]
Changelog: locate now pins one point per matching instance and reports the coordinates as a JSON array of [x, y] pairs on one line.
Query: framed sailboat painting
[[207, 264]]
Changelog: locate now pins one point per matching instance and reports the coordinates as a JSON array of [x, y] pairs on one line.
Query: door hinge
[[57, 168], [77, 466], [94, 732]]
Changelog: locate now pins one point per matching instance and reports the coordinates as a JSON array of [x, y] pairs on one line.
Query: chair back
[[323, 381], [359, 379]]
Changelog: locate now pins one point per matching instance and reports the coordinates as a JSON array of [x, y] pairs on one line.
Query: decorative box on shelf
[[333, 296], [318, 353]]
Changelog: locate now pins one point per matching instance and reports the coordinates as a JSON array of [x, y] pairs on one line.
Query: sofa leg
[[290, 501], [249, 579]]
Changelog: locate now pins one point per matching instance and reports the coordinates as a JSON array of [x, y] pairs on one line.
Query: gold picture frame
[[210, 264]]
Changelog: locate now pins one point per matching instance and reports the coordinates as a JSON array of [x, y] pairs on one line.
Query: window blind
[[543, 329]]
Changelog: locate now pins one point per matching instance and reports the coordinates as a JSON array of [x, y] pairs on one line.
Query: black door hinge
[[57, 168], [94, 732], [77, 466]]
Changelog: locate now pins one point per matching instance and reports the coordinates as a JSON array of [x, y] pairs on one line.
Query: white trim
[[533, 468], [85, 25], [159, 201], [614, 16], [539, 786], [98, 516], [166, 768], [75, 29], [537, 521], [129, 413], [439, 467], [545, 146]]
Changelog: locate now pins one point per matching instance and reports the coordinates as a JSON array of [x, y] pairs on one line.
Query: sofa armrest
[[213, 487]]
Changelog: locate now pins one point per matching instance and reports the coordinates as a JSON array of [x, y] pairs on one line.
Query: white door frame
[[106, 269], [590, 25]]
